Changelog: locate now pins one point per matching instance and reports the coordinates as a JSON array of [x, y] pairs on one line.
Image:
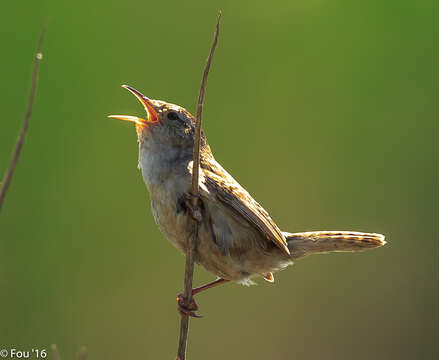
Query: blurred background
[[324, 110]]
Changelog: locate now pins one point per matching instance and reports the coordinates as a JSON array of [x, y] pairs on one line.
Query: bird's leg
[[190, 309], [194, 213]]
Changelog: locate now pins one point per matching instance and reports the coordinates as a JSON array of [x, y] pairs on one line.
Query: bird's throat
[[160, 163]]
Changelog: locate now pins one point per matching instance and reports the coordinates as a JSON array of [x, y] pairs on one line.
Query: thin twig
[[82, 353], [193, 240], [20, 141], [55, 352]]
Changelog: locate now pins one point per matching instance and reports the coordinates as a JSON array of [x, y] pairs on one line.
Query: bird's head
[[165, 124]]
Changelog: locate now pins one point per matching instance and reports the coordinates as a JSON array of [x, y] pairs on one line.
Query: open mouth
[[147, 104]]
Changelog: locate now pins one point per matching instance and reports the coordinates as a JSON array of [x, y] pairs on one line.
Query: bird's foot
[[194, 212], [189, 309]]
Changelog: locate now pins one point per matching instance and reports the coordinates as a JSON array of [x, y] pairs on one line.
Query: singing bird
[[237, 237]]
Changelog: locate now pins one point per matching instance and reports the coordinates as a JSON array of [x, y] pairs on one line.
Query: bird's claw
[[195, 213], [188, 310]]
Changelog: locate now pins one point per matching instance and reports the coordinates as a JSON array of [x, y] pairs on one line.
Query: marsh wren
[[237, 237]]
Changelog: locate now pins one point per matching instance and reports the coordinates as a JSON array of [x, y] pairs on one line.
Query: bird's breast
[[167, 181], [170, 218]]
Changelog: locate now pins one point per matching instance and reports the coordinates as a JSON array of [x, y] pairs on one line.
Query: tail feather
[[314, 242]]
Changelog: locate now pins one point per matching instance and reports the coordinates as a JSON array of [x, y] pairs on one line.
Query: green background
[[326, 111]]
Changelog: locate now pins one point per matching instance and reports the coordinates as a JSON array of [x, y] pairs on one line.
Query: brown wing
[[232, 195]]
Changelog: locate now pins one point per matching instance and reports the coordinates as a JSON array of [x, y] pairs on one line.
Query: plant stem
[[20, 141], [193, 240]]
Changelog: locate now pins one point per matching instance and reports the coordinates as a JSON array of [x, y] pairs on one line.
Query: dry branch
[[193, 240], [82, 353], [20, 141], [55, 352]]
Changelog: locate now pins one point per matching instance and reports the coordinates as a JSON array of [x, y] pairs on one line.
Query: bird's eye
[[172, 115]]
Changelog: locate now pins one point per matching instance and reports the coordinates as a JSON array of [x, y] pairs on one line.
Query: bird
[[238, 240]]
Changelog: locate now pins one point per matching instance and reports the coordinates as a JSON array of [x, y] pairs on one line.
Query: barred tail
[[315, 242]]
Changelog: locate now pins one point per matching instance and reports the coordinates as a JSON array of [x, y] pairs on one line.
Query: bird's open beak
[[147, 104]]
